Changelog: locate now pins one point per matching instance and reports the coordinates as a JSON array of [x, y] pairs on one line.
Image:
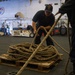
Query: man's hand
[[34, 31], [47, 27], [42, 27]]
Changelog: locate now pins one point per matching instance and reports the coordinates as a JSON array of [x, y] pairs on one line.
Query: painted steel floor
[[6, 41]]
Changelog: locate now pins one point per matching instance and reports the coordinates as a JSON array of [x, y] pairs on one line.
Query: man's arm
[[67, 6], [47, 27], [34, 26]]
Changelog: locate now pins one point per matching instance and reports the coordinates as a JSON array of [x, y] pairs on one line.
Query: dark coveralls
[[43, 20], [69, 8]]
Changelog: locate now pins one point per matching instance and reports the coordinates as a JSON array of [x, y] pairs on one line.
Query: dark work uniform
[[43, 20], [69, 8]]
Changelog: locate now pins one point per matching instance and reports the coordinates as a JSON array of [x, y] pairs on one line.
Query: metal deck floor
[[6, 41]]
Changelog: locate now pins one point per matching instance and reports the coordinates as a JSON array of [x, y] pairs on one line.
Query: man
[[69, 8], [43, 18]]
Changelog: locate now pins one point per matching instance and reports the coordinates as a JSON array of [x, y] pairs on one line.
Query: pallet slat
[[37, 66]]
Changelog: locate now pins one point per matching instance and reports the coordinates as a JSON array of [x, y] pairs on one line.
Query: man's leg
[[72, 52], [37, 40], [38, 37], [49, 41], [73, 72]]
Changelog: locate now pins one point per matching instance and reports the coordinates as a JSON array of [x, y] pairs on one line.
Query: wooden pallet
[[37, 66]]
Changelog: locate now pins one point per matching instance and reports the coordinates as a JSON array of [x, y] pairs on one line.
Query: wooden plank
[[5, 59]]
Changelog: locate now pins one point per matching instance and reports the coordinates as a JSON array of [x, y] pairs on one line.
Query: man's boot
[[73, 72]]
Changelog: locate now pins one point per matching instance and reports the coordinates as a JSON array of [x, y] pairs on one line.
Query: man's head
[[48, 9]]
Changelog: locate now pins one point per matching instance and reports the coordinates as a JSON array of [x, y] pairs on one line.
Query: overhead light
[[55, 3], [19, 15], [40, 1], [3, 0]]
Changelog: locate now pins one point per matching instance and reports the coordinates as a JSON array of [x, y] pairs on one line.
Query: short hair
[[49, 7]]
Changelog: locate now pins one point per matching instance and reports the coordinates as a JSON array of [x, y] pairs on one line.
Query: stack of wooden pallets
[[37, 66]]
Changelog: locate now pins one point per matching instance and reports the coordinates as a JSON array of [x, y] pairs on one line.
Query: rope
[[68, 33], [32, 55], [22, 52], [25, 53], [57, 43]]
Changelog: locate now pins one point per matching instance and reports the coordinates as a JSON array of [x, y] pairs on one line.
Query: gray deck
[[5, 41]]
